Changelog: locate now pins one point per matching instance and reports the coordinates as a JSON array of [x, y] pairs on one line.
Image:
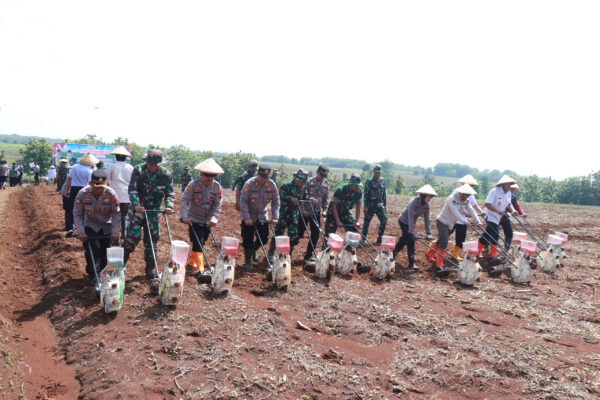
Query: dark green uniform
[[61, 174], [375, 203], [241, 180], [344, 199], [184, 180], [148, 190], [288, 211]]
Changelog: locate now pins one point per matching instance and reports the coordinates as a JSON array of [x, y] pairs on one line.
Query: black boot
[[150, 270], [494, 272], [397, 249]]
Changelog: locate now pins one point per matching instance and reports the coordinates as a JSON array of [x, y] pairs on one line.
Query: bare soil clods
[[413, 336]]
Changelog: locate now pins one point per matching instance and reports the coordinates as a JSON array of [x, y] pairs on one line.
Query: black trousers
[[491, 234], [508, 232], [202, 233], [406, 240], [249, 240], [461, 234], [69, 219], [315, 223], [13, 181], [36, 177], [99, 246], [2, 181]]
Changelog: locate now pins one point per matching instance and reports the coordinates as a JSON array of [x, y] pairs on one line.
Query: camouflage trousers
[[380, 212], [331, 226], [136, 224], [291, 223]]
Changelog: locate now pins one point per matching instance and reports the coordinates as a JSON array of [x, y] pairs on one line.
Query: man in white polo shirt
[[119, 175], [496, 204], [79, 177]]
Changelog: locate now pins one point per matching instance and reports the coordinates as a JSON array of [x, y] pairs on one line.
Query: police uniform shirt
[[97, 213], [499, 200], [201, 203], [412, 212], [319, 191], [254, 200]]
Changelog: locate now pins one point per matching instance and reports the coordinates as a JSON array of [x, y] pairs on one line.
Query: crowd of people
[[125, 202]]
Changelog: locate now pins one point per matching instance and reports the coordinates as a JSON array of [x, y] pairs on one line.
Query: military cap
[[154, 156], [99, 178], [186, 169], [301, 175], [354, 179], [323, 169], [252, 164], [264, 169], [377, 168]]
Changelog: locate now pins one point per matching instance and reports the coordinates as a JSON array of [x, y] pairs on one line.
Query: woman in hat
[[497, 202], [456, 208], [200, 209], [418, 206], [460, 227], [51, 174], [119, 175]]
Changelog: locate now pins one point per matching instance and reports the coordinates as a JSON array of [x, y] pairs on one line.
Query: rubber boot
[[248, 258], [455, 251], [271, 252], [411, 263], [494, 259], [255, 253], [150, 271], [200, 261], [439, 263], [191, 262], [431, 252], [378, 242], [479, 249]]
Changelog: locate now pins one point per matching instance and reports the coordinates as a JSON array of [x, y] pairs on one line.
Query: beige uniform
[[201, 203], [319, 191], [97, 213], [255, 198]]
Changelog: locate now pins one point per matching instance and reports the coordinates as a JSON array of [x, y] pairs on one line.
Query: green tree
[[90, 138], [39, 151], [282, 175], [398, 184], [233, 164], [484, 186]]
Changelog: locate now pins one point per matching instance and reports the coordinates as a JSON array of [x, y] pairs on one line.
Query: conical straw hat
[[121, 150], [63, 160], [466, 189], [505, 179], [469, 180], [209, 166], [88, 159], [514, 186], [427, 189]]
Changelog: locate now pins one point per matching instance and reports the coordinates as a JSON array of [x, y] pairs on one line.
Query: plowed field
[[413, 336]]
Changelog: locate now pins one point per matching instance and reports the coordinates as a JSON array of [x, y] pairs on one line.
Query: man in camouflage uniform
[[375, 203], [289, 194], [339, 213], [185, 178], [150, 184], [257, 193], [317, 193], [61, 173], [274, 176], [239, 182]]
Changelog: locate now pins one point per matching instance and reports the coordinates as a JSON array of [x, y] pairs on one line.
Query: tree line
[[583, 190]]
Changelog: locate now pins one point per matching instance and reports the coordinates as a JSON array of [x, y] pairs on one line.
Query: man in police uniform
[[375, 203], [239, 182], [317, 192], [257, 193], [200, 209], [339, 213], [290, 194], [150, 184], [97, 215]]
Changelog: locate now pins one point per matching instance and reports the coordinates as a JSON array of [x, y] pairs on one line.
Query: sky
[[493, 85]]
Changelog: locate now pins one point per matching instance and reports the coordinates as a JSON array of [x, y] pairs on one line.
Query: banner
[[73, 152]]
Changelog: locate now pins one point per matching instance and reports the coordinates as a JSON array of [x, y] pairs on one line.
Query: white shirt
[[455, 211], [500, 200], [119, 175], [51, 173], [81, 175]]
